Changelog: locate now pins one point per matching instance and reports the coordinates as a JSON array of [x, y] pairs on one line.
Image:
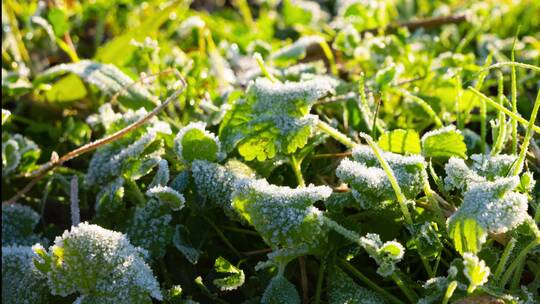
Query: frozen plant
[[386, 254], [285, 217], [194, 142], [100, 265], [18, 223], [475, 270], [343, 290], [274, 118], [22, 283], [369, 182]]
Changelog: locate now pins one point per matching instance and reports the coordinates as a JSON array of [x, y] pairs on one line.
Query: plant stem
[[499, 107], [243, 6], [521, 159], [449, 291], [263, 68], [501, 132], [409, 293], [303, 279], [368, 282], [326, 128], [424, 105], [483, 108], [222, 237], [320, 279], [513, 82], [402, 200], [504, 258], [521, 256], [330, 56], [514, 64], [296, 166]]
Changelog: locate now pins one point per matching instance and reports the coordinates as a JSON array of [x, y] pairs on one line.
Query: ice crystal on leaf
[[483, 168], [22, 283], [343, 290], [195, 142], [234, 276], [274, 118], [99, 264], [494, 205], [216, 183], [18, 154], [280, 291], [285, 217], [150, 228], [297, 50], [130, 154], [475, 270], [18, 223], [387, 254], [167, 195], [370, 184]]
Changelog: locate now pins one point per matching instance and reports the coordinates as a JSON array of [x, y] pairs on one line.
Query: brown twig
[[41, 172], [427, 23]]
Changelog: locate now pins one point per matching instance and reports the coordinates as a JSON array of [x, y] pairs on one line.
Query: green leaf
[[5, 116], [235, 276], [445, 142], [400, 141], [194, 142], [168, 196], [467, 235], [58, 19], [280, 291], [108, 78]]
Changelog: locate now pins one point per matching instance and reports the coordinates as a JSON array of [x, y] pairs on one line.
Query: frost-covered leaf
[[133, 155], [99, 264], [370, 184], [194, 142], [216, 183], [22, 283], [387, 254], [283, 216], [445, 142], [343, 290], [167, 195], [400, 141], [234, 276], [162, 175], [150, 228], [181, 242], [274, 118], [488, 207], [19, 154], [280, 291], [475, 270], [18, 223], [107, 77]]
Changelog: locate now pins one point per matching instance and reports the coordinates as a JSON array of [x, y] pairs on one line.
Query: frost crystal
[[475, 270], [370, 184], [280, 291], [168, 196], [297, 50], [150, 228], [493, 205], [283, 216], [195, 142], [483, 168], [18, 223], [100, 264], [216, 183], [385, 254], [189, 24], [131, 151], [22, 283]]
